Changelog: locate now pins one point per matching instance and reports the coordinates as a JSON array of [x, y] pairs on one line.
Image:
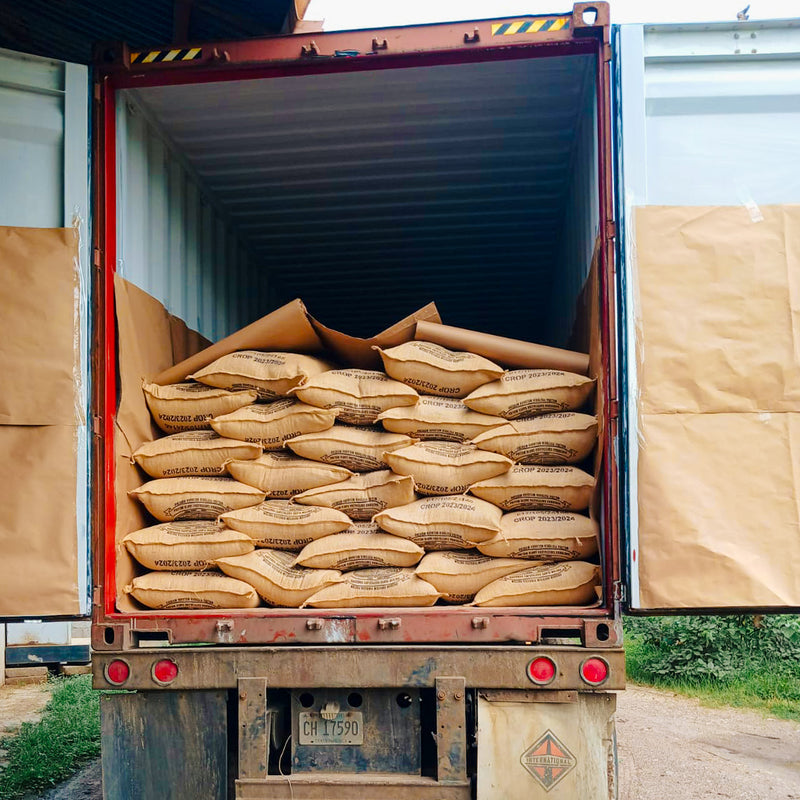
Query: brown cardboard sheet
[[718, 360], [509, 353], [39, 347]]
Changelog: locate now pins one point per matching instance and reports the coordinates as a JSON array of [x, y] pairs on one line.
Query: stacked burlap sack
[[285, 480]]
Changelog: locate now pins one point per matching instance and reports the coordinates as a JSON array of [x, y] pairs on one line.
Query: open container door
[[44, 199], [709, 167]]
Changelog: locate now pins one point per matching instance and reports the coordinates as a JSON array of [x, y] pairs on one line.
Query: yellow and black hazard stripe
[[530, 26], [157, 56]]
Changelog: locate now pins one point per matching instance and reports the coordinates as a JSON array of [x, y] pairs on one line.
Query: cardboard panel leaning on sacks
[[569, 583], [281, 525], [282, 475], [185, 406], [189, 545], [446, 522], [357, 395], [192, 453], [458, 575], [544, 536], [273, 575], [528, 392], [361, 546], [364, 495], [433, 369], [191, 590], [272, 424], [273, 375], [526, 487], [565, 437], [393, 587], [439, 418], [446, 467], [170, 499], [354, 448]]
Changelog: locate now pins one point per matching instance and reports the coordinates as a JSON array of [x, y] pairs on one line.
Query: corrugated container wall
[[211, 280]]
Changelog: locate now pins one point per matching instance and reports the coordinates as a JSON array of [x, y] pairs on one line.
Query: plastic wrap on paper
[[718, 390]]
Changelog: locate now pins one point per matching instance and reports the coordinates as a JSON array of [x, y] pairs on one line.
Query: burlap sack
[[446, 467], [190, 406], [192, 453], [185, 545], [534, 487], [361, 546], [438, 418], [563, 438], [570, 583], [528, 392], [544, 536], [433, 369], [272, 424], [191, 590], [356, 449], [272, 375], [362, 496], [452, 522], [170, 499], [376, 588], [282, 475], [273, 575], [282, 525], [458, 575], [358, 395]]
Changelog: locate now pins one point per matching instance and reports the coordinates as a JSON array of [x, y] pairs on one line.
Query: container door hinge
[[620, 595], [97, 592], [613, 409], [611, 229], [97, 258], [97, 425]]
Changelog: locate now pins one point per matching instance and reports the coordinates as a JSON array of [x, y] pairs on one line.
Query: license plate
[[347, 727]]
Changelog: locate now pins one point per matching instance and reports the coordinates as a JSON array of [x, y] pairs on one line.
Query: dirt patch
[[85, 785], [19, 704], [671, 745]]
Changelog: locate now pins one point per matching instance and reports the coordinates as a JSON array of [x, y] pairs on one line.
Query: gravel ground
[[671, 746]]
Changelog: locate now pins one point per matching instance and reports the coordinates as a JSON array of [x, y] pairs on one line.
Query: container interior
[[367, 194]]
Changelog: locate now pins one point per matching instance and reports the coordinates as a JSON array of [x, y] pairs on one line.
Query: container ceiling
[[371, 193]]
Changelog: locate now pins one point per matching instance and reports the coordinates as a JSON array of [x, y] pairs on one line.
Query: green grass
[[740, 661], [44, 753]]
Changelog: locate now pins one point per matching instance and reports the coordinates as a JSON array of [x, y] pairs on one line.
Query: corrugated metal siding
[[369, 194], [174, 240]]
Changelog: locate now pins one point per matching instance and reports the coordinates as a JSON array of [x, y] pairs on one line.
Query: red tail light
[[542, 670], [117, 672], [594, 671], [165, 671]]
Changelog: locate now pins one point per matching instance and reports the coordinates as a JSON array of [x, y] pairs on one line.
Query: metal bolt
[[243, 695], [314, 624], [480, 622], [458, 695], [752, 36], [389, 624], [735, 35], [440, 695]]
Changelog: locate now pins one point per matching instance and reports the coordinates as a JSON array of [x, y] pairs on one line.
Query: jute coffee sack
[[282, 475], [356, 449], [282, 525], [534, 487], [185, 545], [272, 375], [376, 588], [362, 496], [562, 438], [528, 392], [361, 546], [192, 453], [570, 583], [451, 522], [170, 499], [438, 418], [458, 575], [358, 395], [446, 467], [544, 536], [191, 590], [272, 424], [273, 575], [190, 406], [433, 369]]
